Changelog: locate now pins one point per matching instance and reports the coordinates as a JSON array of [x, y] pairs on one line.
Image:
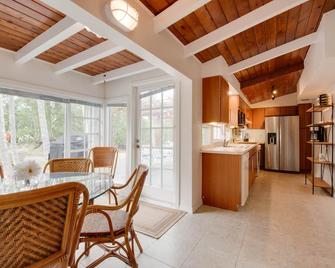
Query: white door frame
[[153, 84]]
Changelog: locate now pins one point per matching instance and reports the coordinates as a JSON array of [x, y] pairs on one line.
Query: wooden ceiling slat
[[28, 12], [281, 21], [37, 7]]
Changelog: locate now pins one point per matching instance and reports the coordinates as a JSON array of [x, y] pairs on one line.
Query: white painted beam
[[175, 12], [241, 24], [274, 53], [92, 54], [51, 37], [136, 68]]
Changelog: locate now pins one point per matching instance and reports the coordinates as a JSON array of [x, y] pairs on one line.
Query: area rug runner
[[154, 221]]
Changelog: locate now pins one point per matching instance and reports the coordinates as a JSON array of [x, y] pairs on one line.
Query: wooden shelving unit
[[324, 146]]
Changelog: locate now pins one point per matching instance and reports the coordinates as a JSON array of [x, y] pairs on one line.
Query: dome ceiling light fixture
[[123, 15], [274, 93]]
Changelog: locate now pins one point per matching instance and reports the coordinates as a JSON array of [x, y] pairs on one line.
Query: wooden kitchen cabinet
[[221, 180], [215, 100], [272, 111], [233, 109], [252, 166], [258, 118], [288, 110]]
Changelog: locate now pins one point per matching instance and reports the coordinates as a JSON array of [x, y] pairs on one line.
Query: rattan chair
[[105, 157], [69, 165], [40, 228], [111, 227]]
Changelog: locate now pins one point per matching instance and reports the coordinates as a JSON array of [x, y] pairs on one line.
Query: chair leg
[[134, 235], [130, 252]]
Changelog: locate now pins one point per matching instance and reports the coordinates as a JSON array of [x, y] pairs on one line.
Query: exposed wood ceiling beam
[[241, 24], [175, 12], [274, 53], [92, 54], [51, 37], [272, 76], [122, 72]]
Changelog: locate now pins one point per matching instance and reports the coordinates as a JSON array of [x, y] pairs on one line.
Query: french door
[[156, 142]]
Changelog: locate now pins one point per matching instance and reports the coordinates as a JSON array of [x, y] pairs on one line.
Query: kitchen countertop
[[234, 149]]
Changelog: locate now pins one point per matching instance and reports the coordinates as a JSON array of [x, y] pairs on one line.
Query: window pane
[[145, 102], [118, 117], [168, 117], [85, 129], [168, 137], [168, 98], [55, 115], [156, 100]]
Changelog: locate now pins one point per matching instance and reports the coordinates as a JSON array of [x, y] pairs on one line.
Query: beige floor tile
[[282, 225]]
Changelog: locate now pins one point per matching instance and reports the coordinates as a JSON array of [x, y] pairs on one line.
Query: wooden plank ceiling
[[288, 26], [23, 20]]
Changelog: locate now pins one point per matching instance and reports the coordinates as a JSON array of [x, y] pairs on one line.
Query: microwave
[[241, 118]]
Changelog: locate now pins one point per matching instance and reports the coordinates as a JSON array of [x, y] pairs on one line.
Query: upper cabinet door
[[258, 118], [215, 100], [224, 99], [211, 99]]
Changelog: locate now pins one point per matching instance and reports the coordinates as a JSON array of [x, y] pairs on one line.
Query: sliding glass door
[[156, 142]]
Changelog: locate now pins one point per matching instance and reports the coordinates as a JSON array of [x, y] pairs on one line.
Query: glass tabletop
[[96, 183]]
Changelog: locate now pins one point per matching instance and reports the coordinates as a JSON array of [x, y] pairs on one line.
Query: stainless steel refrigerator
[[282, 143]]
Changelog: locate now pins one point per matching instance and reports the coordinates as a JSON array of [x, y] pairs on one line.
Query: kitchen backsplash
[[257, 135]]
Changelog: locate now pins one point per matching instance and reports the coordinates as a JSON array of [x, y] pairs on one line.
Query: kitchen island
[[227, 174]]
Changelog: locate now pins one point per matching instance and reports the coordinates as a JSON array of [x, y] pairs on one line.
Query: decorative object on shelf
[[324, 99], [123, 15], [322, 141], [27, 170]]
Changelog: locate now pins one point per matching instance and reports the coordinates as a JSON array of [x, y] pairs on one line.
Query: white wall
[[38, 76], [318, 75], [286, 100]]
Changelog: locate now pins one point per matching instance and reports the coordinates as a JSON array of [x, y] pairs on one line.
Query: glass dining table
[[96, 183]]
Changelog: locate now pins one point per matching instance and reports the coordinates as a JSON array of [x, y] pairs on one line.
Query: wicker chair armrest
[[118, 187], [95, 209]]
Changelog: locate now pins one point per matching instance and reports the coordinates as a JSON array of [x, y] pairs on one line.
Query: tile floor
[[282, 225]]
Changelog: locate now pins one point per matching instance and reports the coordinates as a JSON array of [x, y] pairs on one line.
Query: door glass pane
[[145, 119], [168, 168], [156, 163], [156, 137], [156, 118]]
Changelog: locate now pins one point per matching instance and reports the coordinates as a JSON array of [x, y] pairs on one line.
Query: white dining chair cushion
[[97, 223]]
